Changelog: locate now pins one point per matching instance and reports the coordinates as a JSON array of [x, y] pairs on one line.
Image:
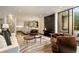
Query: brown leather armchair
[[33, 32], [63, 43], [66, 44]]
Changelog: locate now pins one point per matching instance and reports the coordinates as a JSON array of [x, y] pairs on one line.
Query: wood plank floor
[[36, 47]]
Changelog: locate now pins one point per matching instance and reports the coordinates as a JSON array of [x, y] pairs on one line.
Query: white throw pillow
[[2, 42]]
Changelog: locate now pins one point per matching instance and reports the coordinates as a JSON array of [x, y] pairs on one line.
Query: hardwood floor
[[36, 47]]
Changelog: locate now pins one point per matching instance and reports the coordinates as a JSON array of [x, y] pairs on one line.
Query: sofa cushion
[[67, 40]]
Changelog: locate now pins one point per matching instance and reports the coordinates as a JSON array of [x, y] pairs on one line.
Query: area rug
[[34, 47]]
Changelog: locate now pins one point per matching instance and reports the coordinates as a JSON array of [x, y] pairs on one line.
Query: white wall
[[70, 24], [56, 22], [20, 22]]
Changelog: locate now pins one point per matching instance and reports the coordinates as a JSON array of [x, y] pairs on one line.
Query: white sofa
[[14, 48]]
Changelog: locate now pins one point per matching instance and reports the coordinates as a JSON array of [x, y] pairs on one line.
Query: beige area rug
[[37, 49], [34, 47]]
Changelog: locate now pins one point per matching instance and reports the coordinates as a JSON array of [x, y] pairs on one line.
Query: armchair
[[66, 44], [33, 32], [63, 43]]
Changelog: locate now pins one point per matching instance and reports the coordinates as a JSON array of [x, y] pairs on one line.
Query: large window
[[76, 21], [65, 21], [76, 18]]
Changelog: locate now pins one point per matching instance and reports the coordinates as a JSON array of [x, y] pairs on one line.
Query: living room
[[35, 29]]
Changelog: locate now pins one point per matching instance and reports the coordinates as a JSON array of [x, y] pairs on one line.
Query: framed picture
[[34, 24]]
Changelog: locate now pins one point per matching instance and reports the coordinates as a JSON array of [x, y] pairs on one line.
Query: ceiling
[[31, 10]]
